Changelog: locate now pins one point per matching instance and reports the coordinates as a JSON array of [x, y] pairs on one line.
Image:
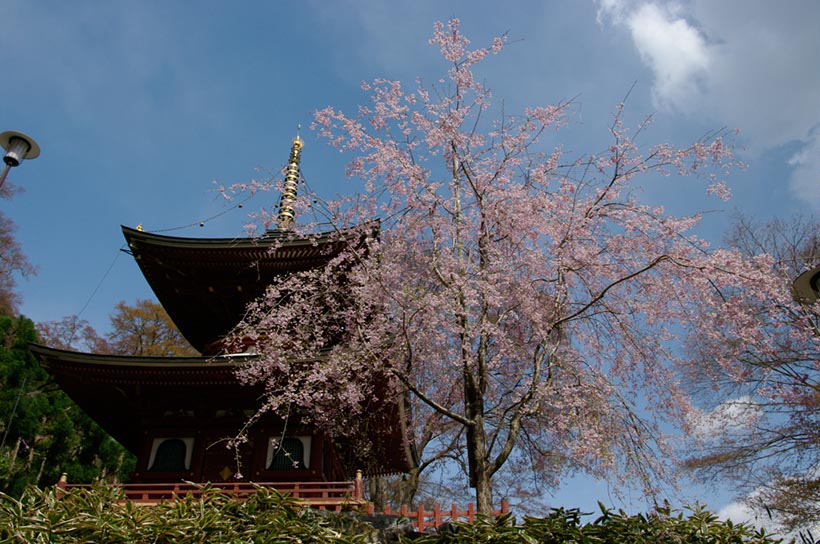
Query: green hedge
[[697, 526], [94, 516]]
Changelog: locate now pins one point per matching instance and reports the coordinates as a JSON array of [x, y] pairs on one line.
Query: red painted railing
[[322, 495], [423, 519]]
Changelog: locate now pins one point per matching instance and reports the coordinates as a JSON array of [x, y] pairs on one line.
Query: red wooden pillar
[[62, 483], [420, 518], [358, 490]]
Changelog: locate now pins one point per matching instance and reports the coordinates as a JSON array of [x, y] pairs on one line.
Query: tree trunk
[[477, 457], [40, 472], [13, 459], [30, 458], [409, 487], [376, 490], [120, 458], [393, 491], [483, 492], [480, 470]]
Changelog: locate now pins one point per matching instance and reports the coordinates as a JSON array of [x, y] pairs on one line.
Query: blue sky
[[139, 106]]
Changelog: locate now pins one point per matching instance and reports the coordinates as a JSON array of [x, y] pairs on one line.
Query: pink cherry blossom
[[523, 306]]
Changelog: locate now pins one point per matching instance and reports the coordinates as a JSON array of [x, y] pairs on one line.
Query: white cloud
[[766, 66], [740, 512], [675, 51], [732, 415], [613, 10], [805, 163], [747, 64]]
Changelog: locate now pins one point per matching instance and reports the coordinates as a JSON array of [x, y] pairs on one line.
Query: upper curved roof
[[205, 284]]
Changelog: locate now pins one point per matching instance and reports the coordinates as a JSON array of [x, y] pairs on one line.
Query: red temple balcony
[[320, 495]]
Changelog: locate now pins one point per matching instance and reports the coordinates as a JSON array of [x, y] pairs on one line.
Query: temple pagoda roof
[[118, 391], [205, 284], [125, 394]]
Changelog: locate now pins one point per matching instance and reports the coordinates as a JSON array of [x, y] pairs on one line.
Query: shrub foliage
[[100, 515], [565, 526]]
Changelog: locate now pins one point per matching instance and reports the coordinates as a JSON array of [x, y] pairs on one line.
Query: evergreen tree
[[43, 432]]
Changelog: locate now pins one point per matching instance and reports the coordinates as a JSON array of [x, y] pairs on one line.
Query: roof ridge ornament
[[288, 198]]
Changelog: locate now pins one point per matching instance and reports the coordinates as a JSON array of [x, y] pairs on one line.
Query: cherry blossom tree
[[71, 333], [758, 374], [524, 302]]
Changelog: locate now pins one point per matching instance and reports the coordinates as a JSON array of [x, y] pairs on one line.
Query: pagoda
[[179, 414]]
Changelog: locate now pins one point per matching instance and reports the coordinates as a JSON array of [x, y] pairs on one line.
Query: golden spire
[[290, 186]]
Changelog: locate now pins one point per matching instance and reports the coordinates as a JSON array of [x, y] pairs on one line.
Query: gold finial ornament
[[286, 202], [139, 227]]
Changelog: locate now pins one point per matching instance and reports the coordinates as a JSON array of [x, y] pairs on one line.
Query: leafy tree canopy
[[142, 329], [43, 432]]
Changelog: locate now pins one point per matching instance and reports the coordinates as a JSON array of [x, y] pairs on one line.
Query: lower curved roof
[[124, 394], [119, 392]]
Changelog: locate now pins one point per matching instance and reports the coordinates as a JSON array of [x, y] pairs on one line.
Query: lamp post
[[18, 147], [807, 286]]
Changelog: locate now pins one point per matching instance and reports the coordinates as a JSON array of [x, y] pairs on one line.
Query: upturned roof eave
[[267, 240], [46, 355]]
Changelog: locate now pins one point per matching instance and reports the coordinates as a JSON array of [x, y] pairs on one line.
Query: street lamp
[[807, 285], [18, 146]]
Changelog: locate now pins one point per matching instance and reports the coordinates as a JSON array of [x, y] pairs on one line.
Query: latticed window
[[290, 455], [170, 456]]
